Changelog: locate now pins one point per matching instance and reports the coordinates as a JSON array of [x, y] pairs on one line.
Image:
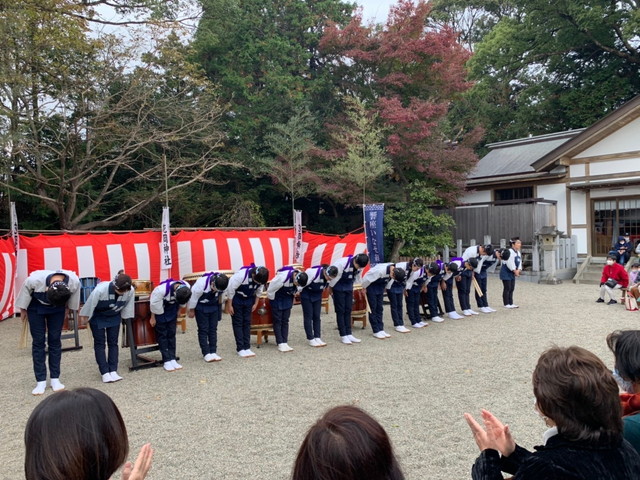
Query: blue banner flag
[[373, 223]]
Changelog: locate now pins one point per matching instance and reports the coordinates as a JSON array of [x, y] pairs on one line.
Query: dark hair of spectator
[[75, 435], [625, 345], [346, 444], [576, 390]]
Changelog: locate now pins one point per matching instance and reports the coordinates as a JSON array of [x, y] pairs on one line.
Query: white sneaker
[[386, 334], [418, 325], [402, 329], [473, 312], [346, 340], [40, 388], [437, 319], [283, 347], [56, 386], [168, 366], [106, 378], [507, 306], [313, 342], [208, 358], [115, 376], [514, 306], [466, 313], [176, 365], [380, 335], [491, 309], [484, 310], [354, 339], [242, 353], [423, 323], [249, 353], [215, 357], [320, 343], [454, 315]]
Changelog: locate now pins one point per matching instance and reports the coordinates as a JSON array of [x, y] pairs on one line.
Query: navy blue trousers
[[395, 301], [47, 324], [103, 337], [432, 301], [311, 309], [281, 324], [413, 305], [464, 289], [447, 296], [208, 330], [343, 305], [482, 301], [166, 337], [241, 323], [377, 310]]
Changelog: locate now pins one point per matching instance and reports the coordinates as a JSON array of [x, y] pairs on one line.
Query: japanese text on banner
[[373, 230]]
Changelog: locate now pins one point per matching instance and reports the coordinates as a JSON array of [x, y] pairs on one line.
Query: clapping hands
[[494, 435], [139, 470]]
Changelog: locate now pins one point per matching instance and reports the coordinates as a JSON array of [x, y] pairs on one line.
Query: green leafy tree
[[291, 167], [360, 158], [415, 228], [551, 66], [264, 56]]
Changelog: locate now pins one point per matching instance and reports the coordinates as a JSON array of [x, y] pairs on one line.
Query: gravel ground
[[245, 418]]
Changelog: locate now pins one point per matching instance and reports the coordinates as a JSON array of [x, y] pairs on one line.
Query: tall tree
[[264, 56], [551, 66], [359, 158], [408, 74], [291, 166], [93, 141]]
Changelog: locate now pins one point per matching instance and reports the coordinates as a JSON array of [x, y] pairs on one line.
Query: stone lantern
[[548, 236]]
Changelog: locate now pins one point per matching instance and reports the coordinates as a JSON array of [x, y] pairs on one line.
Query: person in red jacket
[[612, 272]]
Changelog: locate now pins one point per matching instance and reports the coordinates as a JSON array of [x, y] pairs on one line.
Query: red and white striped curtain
[[140, 254]]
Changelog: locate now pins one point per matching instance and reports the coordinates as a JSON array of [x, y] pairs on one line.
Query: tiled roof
[[516, 156]]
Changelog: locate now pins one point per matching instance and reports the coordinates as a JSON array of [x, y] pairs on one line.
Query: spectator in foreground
[[346, 444], [625, 346], [577, 397], [80, 435]]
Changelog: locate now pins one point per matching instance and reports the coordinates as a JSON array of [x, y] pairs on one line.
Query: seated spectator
[[577, 397], [346, 444], [614, 277], [625, 346], [80, 435], [623, 249], [633, 274]]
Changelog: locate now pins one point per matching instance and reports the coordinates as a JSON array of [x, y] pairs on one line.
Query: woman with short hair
[[577, 397], [346, 443], [80, 435]]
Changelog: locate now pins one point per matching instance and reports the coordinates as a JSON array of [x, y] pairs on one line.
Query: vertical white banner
[[14, 227], [297, 236], [166, 262]]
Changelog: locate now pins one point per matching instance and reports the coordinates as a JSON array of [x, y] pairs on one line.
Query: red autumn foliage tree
[[409, 73]]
